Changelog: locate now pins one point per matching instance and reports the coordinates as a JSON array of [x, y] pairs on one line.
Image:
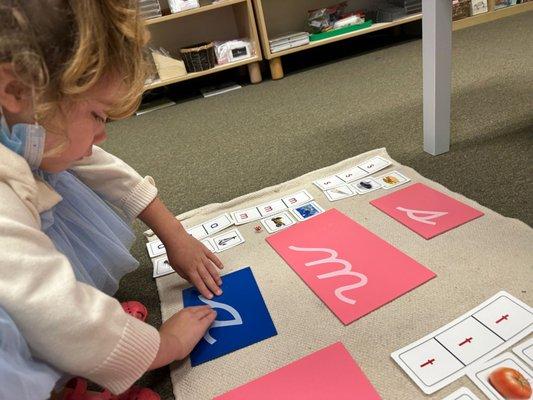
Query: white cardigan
[[69, 324]]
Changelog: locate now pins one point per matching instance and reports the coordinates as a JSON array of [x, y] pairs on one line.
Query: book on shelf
[[288, 41]]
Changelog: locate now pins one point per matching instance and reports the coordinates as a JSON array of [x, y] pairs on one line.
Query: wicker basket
[[461, 9], [199, 57]]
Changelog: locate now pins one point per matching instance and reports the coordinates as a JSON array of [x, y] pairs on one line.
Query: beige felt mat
[[472, 263]]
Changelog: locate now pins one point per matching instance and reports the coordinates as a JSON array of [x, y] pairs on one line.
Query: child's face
[[85, 125]]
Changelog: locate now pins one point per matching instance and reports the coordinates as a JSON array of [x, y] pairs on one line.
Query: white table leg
[[437, 54]]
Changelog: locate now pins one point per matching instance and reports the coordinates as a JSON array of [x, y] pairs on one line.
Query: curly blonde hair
[[61, 49]]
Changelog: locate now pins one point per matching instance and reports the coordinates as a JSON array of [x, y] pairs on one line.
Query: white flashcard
[[272, 207], [446, 354], [469, 340], [505, 317], [155, 248], [329, 182], [278, 222], [244, 216], [161, 267], [217, 224], [525, 351], [366, 185], [210, 244], [462, 394], [198, 232], [488, 377], [228, 240], [339, 193], [392, 179], [352, 174], [306, 211], [296, 199], [375, 164]]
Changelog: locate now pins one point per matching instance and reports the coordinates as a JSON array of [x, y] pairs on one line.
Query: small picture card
[[392, 179], [242, 317], [244, 216], [306, 211], [228, 240], [155, 248], [462, 394], [271, 208], [197, 232], [278, 222], [352, 174], [161, 267], [330, 373], [329, 182], [425, 211], [366, 185], [500, 384], [218, 224], [375, 164], [296, 199], [340, 192], [525, 351], [210, 244]]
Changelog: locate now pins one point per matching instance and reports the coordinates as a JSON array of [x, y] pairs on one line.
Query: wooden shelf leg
[[276, 69], [254, 70]]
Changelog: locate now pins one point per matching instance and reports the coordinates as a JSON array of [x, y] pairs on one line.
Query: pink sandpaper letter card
[[349, 268], [330, 373], [426, 211]]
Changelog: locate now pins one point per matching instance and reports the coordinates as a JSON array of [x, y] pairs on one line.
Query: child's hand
[[194, 262], [181, 332]]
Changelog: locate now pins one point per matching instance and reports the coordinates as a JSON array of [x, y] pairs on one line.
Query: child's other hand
[[194, 262], [181, 332]]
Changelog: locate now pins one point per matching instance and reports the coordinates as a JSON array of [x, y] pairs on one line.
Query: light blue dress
[[94, 238]]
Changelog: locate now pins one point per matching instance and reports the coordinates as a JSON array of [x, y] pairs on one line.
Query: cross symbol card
[[330, 373], [425, 211], [349, 268], [242, 317]]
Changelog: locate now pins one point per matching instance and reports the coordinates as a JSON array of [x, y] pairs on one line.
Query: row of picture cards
[[356, 180], [268, 211], [467, 345]]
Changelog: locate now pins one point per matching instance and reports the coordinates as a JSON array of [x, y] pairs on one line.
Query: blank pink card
[[349, 268], [426, 211], [330, 373]]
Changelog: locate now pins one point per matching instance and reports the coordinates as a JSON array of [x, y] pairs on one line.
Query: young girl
[[66, 66]]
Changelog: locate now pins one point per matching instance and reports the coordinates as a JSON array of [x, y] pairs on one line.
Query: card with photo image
[[339, 193], [306, 211], [392, 179], [366, 185], [278, 222]]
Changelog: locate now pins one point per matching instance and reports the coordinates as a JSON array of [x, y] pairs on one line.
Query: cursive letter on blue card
[[242, 317]]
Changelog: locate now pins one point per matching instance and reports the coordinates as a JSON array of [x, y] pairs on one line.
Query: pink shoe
[[136, 309], [76, 389]]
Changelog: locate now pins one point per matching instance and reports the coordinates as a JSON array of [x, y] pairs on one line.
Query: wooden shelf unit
[[292, 17], [226, 20]]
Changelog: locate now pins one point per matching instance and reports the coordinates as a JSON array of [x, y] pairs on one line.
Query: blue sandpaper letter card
[[242, 317]]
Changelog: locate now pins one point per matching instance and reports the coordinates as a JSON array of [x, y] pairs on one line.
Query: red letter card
[[330, 373], [426, 211], [352, 270]]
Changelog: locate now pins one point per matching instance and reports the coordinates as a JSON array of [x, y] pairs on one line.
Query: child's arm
[[70, 325], [122, 186], [190, 258]]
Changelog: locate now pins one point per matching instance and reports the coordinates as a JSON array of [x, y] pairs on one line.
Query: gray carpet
[[212, 150]]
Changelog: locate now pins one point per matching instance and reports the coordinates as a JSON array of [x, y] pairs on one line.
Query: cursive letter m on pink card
[[349, 268], [426, 211], [330, 373]]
